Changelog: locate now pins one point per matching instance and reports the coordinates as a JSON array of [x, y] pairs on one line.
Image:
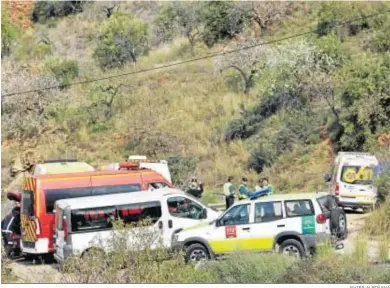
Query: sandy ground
[[29, 272]]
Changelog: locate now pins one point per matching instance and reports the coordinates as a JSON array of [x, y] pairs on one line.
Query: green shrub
[[383, 184], [181, 169], [248, 268], [381, 39], [64, 71], [222, 20], [123, 38], [333, 269], [30, 48], [9, 32], [47, 10]]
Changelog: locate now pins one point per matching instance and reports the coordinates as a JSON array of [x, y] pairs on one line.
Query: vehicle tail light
[[65, 229], [337, 189], [38, 227], [321, 219]]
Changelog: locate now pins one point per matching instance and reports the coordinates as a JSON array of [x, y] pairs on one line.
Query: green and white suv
[[292, 224]]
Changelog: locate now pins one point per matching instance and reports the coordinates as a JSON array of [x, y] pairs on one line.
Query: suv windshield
[[357, 175]]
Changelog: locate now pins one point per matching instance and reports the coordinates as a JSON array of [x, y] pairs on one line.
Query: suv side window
[[236, 216], [296, 208], [268, 211], [183, 207]]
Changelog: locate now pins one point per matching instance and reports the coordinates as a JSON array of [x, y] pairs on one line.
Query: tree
[[267, 13], [123, 38], [104, 97], [9, 32], [221, 21], [296, 57], [45, 10], [188, 20], [26, 115], [110, 10], [180, 18]]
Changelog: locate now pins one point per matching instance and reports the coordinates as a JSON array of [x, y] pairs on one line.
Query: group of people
[[262, 188], [195, 188]]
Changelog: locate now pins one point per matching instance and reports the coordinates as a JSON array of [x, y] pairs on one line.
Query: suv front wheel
[[196, 253], [292, 247]]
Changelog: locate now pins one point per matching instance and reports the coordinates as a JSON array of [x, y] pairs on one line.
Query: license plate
[[348, 199]]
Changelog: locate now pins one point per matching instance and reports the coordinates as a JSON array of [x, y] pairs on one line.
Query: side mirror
[[204, 214], [327, 178], [218, 223]]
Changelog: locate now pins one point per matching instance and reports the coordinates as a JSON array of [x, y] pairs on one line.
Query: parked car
[[292, 224], [85, 223], [351, 180]]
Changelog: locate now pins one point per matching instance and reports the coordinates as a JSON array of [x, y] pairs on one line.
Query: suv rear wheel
[[196, 253], [292, 247]]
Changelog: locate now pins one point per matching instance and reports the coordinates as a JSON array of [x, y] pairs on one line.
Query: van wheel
[[196, 253], [292, 247], [93, 253]]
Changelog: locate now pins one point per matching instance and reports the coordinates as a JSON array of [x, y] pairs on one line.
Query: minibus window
[[133, 213], [116, 189], [53, 195], [28, 203], [92, 219]]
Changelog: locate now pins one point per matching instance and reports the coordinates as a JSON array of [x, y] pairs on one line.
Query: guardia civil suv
[[292, 224]]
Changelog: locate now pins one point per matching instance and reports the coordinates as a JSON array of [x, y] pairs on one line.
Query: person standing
[[259, 185], [228, 190], [243, 190], [266, 185]]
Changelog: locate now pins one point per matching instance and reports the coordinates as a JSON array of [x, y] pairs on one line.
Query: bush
[[9, 33], [383, 184], [248, 268], [181, 169], [123, 38], [222, 20], [251, 120], [47, 10], [64, 71], [333, 269], [29, 48], [260, 158]]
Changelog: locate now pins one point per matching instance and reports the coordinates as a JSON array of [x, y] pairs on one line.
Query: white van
[[84, 223], [351, 180]]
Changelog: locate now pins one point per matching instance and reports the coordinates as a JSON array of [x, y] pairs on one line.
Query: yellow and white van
[[352, 180]]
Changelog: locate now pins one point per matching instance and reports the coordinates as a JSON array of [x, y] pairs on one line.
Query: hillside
[[279, 111]]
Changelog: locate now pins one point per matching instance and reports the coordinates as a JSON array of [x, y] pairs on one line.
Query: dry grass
[[383, 248], [360, 253]]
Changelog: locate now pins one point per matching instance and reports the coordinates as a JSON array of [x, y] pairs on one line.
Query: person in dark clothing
[[10, 225], [229, 192], [195, 189]]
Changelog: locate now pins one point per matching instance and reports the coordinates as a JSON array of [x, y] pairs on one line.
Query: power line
[[198, 58]]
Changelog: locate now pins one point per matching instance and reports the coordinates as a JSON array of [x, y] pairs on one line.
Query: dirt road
[[28, 272]]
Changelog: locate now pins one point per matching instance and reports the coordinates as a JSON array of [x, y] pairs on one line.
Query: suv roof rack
[[60, 161]]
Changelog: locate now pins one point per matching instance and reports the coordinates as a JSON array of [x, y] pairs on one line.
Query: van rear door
[[356, 183], [61, 231]]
